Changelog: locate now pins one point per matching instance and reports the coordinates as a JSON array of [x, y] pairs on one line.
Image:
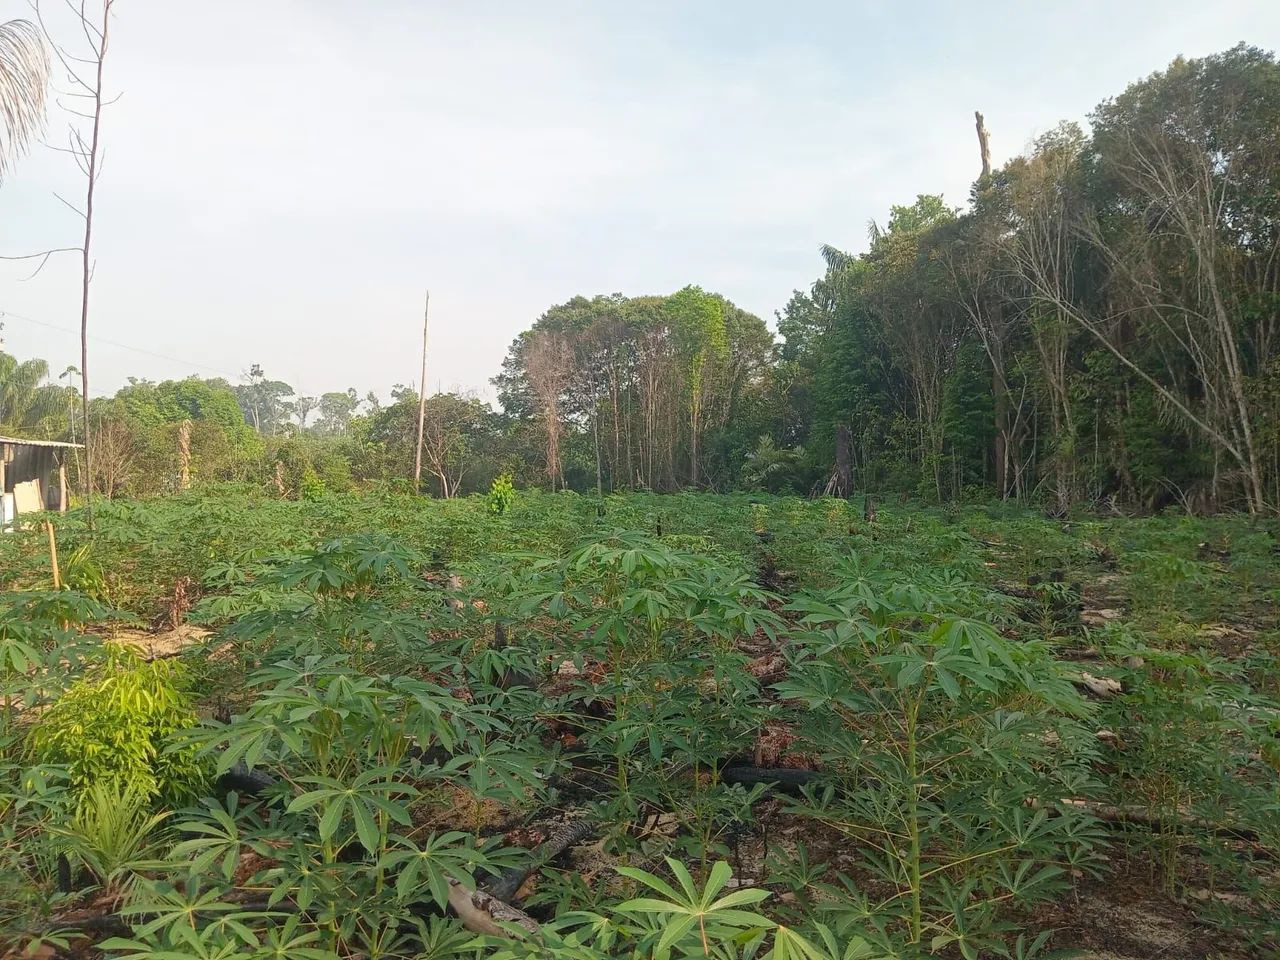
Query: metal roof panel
[[20, 441]]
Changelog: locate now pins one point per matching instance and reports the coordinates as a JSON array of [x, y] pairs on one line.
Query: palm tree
[[24, 77], [28, 406]]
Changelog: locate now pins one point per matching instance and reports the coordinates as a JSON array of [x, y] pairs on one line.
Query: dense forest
[[1099, 325]]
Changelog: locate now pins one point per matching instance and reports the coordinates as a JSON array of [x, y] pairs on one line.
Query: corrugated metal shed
[[33, 476]]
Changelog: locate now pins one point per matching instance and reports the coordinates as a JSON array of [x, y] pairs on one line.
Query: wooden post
[[62, 484], [422, 400], [53, 556]]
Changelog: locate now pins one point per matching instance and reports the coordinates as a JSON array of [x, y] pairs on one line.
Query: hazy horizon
[[283, 181]]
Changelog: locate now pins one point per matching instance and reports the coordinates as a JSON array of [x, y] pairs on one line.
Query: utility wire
[[7, 315], [231, 377]]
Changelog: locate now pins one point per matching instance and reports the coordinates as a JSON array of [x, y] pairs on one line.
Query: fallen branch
[[1137, 816]]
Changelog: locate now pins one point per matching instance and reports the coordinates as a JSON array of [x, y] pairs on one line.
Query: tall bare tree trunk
[[549, 363], [184, 455], [617, 431], [843, 485], [693, 443], [633, 469], [422, 399], [595, 430], [1235, 377], [89, 156], [984, 145], [1000, 452]]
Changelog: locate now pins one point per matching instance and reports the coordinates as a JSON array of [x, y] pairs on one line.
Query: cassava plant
[[123, 724], [947, 751]]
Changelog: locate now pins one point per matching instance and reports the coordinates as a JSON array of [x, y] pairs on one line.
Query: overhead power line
[[231, 377]]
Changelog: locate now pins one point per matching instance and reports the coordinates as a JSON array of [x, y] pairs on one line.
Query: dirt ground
[[1126, 917]]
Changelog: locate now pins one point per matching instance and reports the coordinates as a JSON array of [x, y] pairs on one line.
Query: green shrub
[[502, 494], [114, 834], [80, 571], [311, 487], [119, 725]]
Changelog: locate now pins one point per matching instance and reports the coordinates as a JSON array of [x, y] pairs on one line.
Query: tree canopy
[[1097, 324]]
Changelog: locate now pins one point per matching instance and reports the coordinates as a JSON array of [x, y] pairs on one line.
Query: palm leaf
[[27, 404], [24, 78]]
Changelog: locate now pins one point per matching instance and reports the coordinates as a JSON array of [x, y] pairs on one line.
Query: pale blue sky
[[285, 177]]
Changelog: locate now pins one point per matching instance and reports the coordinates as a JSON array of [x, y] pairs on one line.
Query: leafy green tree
[[855, 379], [456, 429], [909, 291], [1189, 161], [336, 410], [771, 468], [267, 404], [615, 377], [698, 328], [172, 401], [461, 441], [302, 408], [136, 435]]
